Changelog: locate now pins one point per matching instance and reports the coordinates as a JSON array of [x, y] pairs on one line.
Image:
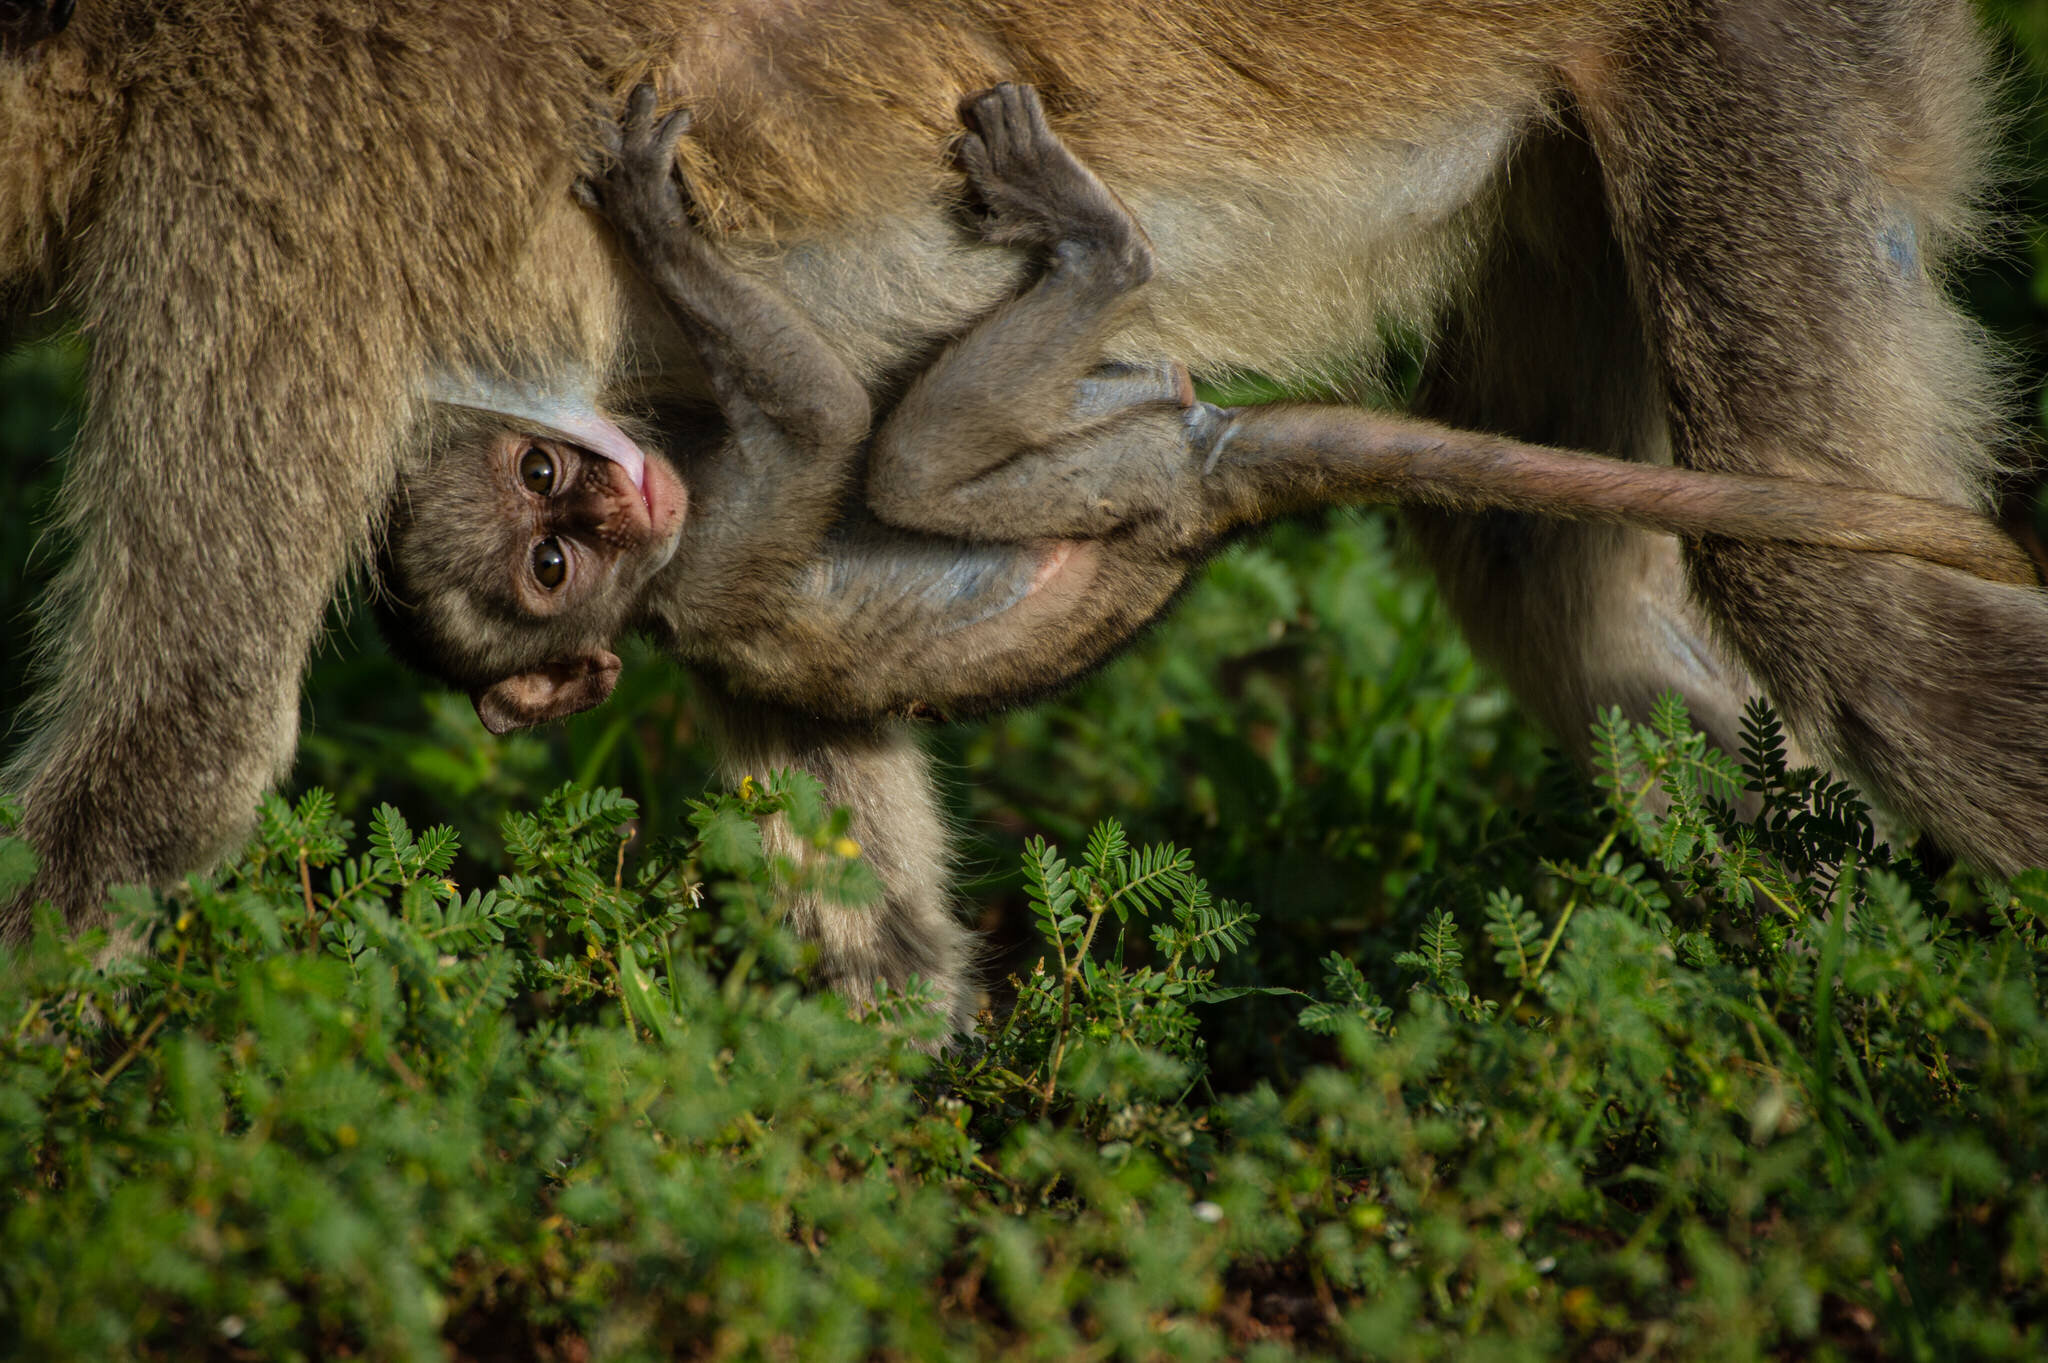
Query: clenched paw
[[638, 186]]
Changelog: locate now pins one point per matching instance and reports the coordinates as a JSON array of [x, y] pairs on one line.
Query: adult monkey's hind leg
[[1803, 332], [878, 771], [1549, 347]]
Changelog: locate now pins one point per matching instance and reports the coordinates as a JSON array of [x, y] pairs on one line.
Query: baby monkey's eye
[[537, 471], [549, 564]]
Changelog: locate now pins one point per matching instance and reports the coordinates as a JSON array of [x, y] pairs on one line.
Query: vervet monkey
[[1712, 231]]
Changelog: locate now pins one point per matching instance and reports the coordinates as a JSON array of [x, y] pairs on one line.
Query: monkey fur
[[514, 559], [24, 23], [1711, 232]]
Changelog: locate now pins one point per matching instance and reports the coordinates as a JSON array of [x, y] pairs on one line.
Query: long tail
[[1269, 461]]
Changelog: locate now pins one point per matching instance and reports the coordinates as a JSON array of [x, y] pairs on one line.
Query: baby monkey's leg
[[1017, 431]]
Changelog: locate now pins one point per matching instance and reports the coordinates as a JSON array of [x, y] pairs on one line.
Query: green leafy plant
[[1685, 1063]]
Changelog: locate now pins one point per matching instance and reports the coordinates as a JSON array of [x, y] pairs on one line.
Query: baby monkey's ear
[[555, 690]]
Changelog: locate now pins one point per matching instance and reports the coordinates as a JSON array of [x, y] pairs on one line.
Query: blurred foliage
[[1443, 1054]]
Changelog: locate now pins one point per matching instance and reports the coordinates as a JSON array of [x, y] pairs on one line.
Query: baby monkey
[[1029, 509], [518, 556]]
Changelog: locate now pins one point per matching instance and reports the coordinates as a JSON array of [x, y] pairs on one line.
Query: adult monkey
[[1704, 223]]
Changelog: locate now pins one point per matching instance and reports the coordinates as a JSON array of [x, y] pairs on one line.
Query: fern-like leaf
[[1347, 997]]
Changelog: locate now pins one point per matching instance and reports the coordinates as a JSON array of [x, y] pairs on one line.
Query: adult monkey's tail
[[1780, 174]]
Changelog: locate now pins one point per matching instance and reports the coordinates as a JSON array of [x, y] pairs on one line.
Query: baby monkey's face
[[519, 552], [578, 526], [516, 554]]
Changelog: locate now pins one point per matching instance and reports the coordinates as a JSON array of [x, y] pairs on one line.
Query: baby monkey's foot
[[639, 187], [1036, 193]]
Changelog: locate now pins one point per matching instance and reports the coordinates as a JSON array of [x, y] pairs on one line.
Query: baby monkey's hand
[[638, 187]]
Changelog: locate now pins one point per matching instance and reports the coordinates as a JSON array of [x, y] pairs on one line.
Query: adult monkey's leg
[[1548, 347], [1790, 294], [880, 773], [264, 296]]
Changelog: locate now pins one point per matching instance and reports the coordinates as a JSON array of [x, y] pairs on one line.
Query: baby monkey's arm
[[794, 413]]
